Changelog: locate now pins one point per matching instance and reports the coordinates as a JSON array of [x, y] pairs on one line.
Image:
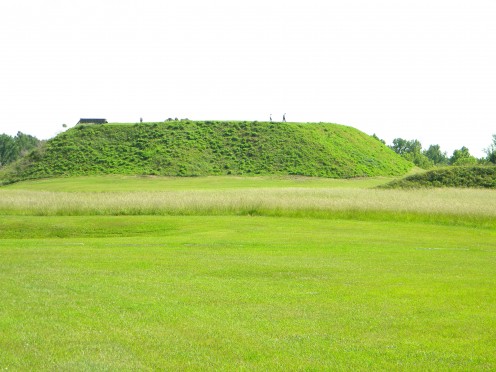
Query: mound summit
[[200, 148]]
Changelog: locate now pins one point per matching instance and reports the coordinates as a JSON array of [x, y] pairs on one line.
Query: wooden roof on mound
[[92, 121]]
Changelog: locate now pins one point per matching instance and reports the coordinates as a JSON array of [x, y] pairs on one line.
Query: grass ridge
[[461, 176]]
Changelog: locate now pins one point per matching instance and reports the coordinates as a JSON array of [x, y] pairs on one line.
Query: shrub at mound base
[[476, 177], [197, 148]]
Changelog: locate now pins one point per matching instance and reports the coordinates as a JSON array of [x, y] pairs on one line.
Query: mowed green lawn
[[122, 183], [231, 292]]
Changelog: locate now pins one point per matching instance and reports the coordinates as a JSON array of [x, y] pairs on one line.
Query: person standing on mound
[[284, 117]]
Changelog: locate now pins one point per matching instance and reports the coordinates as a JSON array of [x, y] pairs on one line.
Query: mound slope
[[197, 148], [474, 177]]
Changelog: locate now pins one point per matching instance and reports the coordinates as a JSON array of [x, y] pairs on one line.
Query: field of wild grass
[[294, 197], [262, 201], [133, 273]]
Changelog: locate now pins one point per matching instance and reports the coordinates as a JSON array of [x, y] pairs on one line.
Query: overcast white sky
[[416, 69]]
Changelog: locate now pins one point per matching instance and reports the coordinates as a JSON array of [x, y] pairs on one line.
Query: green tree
[[9, 150], [491, 151], [402, 146], [12, 148], [412, 151], [26, 143], [434, 154], [462, 157]]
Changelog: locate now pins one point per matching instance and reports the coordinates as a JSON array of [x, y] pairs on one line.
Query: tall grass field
[[233, 273]]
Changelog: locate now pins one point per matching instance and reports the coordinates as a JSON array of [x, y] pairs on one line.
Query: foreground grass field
[[118, 183], [338, 289]]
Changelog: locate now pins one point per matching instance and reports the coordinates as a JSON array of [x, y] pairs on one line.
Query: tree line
[[13, 148], [433, 156]]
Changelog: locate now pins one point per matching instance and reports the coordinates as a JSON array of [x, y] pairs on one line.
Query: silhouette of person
[[270, 117], [284, 117], [141, 120]]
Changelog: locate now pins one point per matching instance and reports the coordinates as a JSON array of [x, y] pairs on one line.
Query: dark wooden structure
[[92, 121]]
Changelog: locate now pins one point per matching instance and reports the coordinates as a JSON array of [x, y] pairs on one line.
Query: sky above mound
[[412, 69]]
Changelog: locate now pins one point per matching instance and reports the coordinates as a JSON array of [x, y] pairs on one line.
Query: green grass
[[123, 183], [235, 293], [197, 148], [465, 177], [263, 196], [240, 274]]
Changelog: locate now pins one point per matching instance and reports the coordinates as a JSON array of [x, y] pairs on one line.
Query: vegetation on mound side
[[195, 148], [477, 177]]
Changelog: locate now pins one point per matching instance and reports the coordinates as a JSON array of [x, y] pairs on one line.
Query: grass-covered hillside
[[194, 148], [477, 177]]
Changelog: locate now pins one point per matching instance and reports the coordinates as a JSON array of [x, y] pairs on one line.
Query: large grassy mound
[[194, 148], [477, 176]]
